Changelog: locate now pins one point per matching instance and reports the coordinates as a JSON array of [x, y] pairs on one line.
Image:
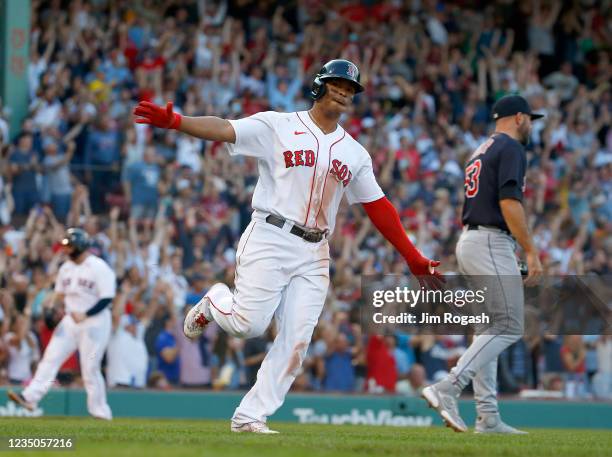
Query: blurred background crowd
[[166, 210]]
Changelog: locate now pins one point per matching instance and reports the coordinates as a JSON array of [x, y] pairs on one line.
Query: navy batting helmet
[[335, 69], [78, 239]]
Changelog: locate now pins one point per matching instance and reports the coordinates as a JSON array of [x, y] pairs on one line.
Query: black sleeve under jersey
[[98, 307], [512, 164]]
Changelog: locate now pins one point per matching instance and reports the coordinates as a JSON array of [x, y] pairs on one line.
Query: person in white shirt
[[46, 110], [307, 164], [4, 129], [86, 285], [127, 358], [22, 349]]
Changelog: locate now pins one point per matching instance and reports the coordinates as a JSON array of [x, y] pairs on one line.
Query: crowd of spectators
[[166, 210]]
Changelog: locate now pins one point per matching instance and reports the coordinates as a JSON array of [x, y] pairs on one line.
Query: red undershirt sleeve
[[386, 219]]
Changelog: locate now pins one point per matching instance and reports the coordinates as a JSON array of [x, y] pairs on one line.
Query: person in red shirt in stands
[[573, 353], [382, 372]]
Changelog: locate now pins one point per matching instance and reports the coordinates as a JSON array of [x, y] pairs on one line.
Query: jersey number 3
[[472, 175]]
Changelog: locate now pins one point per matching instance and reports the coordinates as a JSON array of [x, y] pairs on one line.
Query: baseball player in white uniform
[[86, 285], [306, 162]]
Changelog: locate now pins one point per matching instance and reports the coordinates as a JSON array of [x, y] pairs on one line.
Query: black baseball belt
[[491, 227], [312, 236]]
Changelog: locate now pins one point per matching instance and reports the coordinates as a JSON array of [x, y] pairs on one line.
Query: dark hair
[[22, 135]]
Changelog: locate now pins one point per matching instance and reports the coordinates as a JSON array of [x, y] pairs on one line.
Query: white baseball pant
[[277, 274], [90, 337]]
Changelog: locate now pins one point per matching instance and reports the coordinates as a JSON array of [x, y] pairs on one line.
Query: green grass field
[[174, 438]]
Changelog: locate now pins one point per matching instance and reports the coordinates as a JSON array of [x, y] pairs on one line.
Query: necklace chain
[[316, 123]]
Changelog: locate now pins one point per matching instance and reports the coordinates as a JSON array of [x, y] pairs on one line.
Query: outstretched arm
[[205, 127], [386, 219]]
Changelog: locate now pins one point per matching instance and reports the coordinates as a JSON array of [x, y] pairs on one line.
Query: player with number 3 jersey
[[494, 220]]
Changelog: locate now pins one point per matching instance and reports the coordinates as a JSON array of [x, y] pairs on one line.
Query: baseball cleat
[[492, 423], [20, 400], [196, 320], [442, 397], [252, 427]]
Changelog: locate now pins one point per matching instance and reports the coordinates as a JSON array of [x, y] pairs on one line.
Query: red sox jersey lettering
[[303, 172], [341, 172], [82, 283], [299, 158]]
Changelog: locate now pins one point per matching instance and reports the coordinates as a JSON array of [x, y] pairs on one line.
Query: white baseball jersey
[[303, 173], [85, 284]]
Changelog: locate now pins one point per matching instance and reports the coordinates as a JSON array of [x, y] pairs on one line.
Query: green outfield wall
[[311, 408]]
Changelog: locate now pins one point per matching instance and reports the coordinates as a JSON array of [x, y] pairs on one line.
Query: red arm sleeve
[[385, 218]]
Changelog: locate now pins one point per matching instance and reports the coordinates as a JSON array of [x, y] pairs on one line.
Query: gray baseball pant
[[487, 256]]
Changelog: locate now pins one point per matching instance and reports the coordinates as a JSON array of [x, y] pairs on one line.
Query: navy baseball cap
[[511, 105]]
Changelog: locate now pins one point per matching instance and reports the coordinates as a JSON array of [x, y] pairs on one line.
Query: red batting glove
[[157, 116], [425, 271]]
